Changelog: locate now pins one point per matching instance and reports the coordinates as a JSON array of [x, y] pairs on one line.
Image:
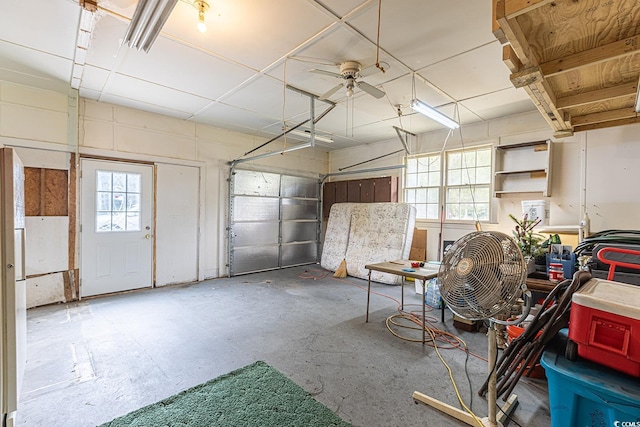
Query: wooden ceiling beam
[[605, 116], [495, 26], [620, 91], [510, 58], [617, 49], [513, 32], [612, 123], [514, 8], [90, 5]]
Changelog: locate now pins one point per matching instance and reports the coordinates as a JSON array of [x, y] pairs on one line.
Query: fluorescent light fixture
[[638, 98], [308, 135], [434, 114], [147, 22]]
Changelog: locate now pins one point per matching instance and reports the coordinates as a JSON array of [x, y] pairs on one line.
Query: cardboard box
[[418, 250]]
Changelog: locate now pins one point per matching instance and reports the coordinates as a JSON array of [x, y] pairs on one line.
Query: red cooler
[[605, 324]]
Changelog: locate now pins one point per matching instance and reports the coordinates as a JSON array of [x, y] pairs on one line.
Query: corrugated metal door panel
[[274, 221]]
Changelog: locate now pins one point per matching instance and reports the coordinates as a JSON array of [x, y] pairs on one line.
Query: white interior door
[[117, 227], [177, 217]]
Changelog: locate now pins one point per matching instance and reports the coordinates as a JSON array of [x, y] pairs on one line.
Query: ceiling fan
[[350, 73]]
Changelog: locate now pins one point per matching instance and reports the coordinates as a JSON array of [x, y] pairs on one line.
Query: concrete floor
[[100, 358]]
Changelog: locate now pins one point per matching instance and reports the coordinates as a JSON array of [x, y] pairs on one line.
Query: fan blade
[[311, 59], [371, 90], [326, 73], [330, 92]]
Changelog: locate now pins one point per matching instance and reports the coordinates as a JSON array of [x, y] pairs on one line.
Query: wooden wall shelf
[[523, 168]]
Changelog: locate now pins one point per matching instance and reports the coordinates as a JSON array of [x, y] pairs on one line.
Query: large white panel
[[145, 120], [34, 67], [193, 71], [96, 134], [425, 32], [612, 176], [41, 25], [177, 217], [155, 143], [32, 123], [34, 97], [47, 244], [34, 158], [153, 94], [471, 73], [47, 289], [255, 33]]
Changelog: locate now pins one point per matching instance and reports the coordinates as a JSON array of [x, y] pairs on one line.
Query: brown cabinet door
[[328, 198], [367, 191], [353, 191], [386, 189], [341, 192]]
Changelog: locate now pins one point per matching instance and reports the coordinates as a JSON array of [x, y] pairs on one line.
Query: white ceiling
[[234, 75]]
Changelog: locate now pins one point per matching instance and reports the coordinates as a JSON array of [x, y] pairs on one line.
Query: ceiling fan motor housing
[[350, 69]]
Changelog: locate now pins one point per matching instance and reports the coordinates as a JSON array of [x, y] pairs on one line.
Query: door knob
[[147, 236]]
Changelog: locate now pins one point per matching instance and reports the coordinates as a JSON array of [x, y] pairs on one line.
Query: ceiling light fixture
[[308, 135], [147, 22], [202, 7], [434, 114]]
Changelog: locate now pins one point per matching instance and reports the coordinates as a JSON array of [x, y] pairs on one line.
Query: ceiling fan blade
[[371, 90], [319, 61], [326, 73], [330, 92]]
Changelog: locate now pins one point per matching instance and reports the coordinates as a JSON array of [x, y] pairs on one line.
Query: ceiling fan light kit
[[147, 22], [434, 114]]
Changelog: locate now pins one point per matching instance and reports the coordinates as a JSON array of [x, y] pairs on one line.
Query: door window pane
[[118, 201]]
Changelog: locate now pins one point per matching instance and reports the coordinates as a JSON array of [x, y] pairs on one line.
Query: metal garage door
[[273, 221]]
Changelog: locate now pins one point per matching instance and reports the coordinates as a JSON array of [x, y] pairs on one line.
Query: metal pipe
[[273, 153], [277, 137], [370, 160], [324, 177]]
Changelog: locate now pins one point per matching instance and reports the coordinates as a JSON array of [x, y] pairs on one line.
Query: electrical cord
[[415, 323], [453, 382]]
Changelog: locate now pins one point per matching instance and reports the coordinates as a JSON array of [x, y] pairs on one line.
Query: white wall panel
[[33, 158], [33, 123], [139, 140], [47, 244], [28, 96], [177, 216], [96, 134], [612, 176], [45, 289]]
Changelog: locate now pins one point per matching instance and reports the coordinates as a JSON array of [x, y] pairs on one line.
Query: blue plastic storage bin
[[586, 394]]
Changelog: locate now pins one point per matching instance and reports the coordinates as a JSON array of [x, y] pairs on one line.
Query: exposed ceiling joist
[[605, 116], [581, 68], [618, 49], [514, 8], [620, 91]]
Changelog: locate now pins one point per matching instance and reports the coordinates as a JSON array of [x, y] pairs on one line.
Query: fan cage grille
[[482, 274]]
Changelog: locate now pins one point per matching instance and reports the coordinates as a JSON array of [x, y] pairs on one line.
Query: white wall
[[596, 170], [121, 132], [47, 125]]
